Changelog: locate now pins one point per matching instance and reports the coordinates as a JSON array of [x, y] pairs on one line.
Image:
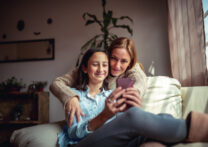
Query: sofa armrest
[[44, 135], [194, 99]]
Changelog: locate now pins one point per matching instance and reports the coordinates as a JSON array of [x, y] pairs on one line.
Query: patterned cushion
[[163, 96]]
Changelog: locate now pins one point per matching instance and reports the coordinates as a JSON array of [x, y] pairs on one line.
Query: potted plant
[[12, 85], [37, 86], [106, 24]]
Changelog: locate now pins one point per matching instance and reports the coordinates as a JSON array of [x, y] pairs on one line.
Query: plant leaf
[[114, 21], [112, 37], [126, 17], [99, 45], [86, 44], [89, 42], [125, 27], [110, 13], [94, 18], [107, 19], [103, 3], [89, 22], [84, 15], [93, 44]]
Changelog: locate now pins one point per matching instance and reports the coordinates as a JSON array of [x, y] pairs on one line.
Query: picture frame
[[27, 50]]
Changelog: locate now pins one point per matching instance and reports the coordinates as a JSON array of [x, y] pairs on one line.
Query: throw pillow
[[163, 96]]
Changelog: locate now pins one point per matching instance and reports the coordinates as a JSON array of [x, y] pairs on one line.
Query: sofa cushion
[[163, 96], [44, 135], [194, 99]]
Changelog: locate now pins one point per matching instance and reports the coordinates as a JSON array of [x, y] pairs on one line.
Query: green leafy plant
[[37, 86], [11, 84], [106, 24]]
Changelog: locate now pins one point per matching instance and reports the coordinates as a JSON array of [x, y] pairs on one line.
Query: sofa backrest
[[194, 99]]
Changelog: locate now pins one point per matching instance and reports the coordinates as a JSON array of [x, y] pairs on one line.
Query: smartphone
[[124, 83]]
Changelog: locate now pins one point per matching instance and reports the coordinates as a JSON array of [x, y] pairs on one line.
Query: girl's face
[[97, 67], [119, 61]]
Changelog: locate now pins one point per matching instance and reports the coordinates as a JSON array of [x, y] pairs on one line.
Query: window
[[205, 8]]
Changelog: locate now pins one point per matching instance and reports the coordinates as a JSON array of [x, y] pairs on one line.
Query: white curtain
[[187, 42]]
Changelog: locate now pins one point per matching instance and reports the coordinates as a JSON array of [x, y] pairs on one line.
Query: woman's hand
[[132, 97], [73, 108]]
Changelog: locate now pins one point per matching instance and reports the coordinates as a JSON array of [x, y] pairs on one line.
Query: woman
[[102, 125], [123, 63]]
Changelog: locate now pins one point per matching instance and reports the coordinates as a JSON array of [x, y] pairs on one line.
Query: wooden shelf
[[20, 122], [35, 108]]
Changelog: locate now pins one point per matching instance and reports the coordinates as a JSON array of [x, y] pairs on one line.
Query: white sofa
[[194, 99], [183, 100]]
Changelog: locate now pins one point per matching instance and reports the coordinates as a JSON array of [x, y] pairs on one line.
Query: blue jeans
[[135, 126]]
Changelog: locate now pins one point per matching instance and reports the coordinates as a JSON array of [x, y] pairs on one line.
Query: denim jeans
[[133, 127]]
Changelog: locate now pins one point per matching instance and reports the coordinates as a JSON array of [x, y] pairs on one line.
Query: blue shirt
[[91, 107]]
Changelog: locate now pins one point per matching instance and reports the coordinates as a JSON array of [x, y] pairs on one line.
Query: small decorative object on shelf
[[4, 36], [27, 118], [37, 86], [1, 116], [17, 111], [11, 85]]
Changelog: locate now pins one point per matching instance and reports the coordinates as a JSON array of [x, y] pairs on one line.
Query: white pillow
[[163, 96], [44, 135]]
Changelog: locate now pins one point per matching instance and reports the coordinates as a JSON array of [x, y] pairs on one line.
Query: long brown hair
[[129, 45], [82, 78]]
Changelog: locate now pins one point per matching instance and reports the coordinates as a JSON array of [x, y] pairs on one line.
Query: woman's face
[[97, 67], [119, 61]]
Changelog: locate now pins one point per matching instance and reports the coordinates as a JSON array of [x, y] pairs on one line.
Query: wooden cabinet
[[33, 107]]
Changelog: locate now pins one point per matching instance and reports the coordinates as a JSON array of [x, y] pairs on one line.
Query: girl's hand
[[73, 108], [133, 97], [114, 103]]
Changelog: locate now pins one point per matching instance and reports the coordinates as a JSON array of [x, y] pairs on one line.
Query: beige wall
[[150, 35]]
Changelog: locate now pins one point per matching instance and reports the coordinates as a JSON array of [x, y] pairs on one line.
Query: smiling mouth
[[100, 74], [116, 70]]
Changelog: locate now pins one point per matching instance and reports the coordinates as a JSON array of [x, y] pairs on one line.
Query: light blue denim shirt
[[91, 107]]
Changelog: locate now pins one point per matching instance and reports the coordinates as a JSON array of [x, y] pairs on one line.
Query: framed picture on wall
[[27, 50]]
